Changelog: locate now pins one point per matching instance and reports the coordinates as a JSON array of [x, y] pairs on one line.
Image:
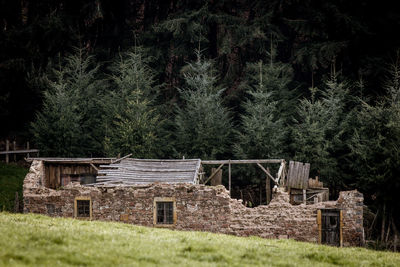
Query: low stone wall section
[[198, 207]]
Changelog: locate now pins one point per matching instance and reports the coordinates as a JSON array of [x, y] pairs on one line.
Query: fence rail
[[16, 151]]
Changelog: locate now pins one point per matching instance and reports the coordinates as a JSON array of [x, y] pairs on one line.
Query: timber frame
[[278, 180]]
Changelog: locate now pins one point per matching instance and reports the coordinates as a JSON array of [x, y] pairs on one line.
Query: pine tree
[[69, 124], [203, 124], [132, 121]]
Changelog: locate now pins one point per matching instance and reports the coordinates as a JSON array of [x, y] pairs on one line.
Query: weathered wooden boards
[[141, 171], [55, 170], [314, 183], [298, 175]]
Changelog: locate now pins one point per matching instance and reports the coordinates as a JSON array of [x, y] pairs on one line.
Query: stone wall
[[198, 207]]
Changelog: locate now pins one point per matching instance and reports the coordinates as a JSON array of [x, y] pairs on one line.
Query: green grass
[[40, 240], [11, 179]]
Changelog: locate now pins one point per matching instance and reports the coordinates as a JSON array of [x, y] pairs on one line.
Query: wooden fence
[[14, 151]]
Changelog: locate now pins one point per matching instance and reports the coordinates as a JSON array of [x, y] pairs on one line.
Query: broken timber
[[279, 179]]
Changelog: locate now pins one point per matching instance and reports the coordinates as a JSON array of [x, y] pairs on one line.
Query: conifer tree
[[203, 124], [263, 129], [67, 125], [318, 128], [132, 121], [375, 148]]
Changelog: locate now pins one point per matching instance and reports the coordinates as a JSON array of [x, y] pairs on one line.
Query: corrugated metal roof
[[144, 171]]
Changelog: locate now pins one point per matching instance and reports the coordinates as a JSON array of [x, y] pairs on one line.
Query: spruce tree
[[132, 121], [375, 148], [263, 128], [68, 123], [318, 129], [203, 124]]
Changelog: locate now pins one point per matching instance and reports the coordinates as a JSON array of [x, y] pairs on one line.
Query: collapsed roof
[[145, 171]]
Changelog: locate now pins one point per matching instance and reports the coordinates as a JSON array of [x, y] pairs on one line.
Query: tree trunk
[[383, 223], [395, 233]]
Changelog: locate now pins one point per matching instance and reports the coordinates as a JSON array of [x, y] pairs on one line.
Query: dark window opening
[[165, 212], [83, 208]]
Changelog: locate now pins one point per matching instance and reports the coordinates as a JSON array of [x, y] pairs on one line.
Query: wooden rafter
[[214, 173]]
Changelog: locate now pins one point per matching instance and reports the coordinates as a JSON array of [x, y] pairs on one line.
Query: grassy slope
[[41, 240], [11, 179]]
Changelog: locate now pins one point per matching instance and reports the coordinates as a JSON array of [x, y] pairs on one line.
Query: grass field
[[11, 179], [40, 240]]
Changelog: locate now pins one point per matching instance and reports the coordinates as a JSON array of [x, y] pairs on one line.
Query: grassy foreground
[[40, 240], [11, 180]]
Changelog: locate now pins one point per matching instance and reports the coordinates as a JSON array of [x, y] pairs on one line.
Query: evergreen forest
[[311, 81]]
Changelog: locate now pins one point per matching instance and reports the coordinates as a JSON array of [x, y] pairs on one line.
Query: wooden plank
[[280, 171], [299, 174], [58, 177], [157, 161], [290, 174], [268, 189], [22, 151], [71, 160], [267, 172], [47, 176], [94, 167], [293, 175], [147, 177], [247, 161], [118, 160], [319, 222], [306, 174], [192, 171], [341, 228], [212, 175], [52, 176], [167, 173]]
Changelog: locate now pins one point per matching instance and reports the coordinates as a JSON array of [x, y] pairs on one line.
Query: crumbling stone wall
[[198, 207]]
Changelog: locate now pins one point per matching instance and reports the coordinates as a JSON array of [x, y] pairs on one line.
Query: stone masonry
[[198, 208]]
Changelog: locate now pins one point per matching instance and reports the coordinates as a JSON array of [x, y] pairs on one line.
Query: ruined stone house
[[167, 193]]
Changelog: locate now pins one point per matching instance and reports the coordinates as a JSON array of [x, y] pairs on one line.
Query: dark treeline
[[314, 81]]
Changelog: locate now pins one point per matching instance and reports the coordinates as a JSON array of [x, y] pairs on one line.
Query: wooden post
[[268, 188], [229, 176], [319, 222], [341, 228], [7, 149], [27, 147], [304, 196], [15, 148]]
